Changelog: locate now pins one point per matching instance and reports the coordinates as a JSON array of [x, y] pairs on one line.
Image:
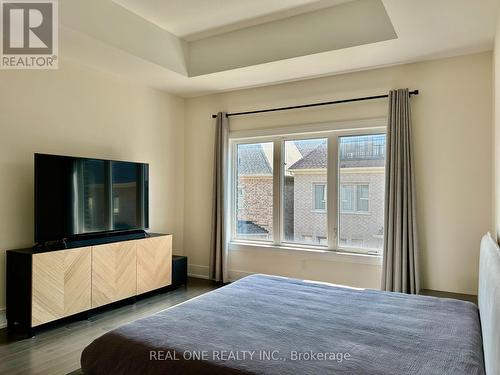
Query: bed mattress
[[272, 325]]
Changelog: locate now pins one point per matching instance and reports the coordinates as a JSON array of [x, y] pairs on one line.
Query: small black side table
[[179, 270]]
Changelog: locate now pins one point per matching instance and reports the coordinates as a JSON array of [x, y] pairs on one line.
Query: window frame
[[325, 196], [332, 132]]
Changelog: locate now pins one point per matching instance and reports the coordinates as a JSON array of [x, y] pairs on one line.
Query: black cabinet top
[[79, 243]]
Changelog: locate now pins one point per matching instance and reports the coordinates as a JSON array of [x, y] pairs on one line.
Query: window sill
[[331, 255], [366, 213]]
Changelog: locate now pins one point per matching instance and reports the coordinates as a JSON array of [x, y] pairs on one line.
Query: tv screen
[[80, 196]]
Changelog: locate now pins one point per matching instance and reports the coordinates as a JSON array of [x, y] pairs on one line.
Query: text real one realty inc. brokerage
[[242, 355]]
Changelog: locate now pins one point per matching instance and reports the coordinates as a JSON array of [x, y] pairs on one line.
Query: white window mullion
[[332, 191], [277, 185], [232, 176]]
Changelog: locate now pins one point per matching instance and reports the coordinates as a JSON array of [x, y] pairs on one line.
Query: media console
[[45, 286]]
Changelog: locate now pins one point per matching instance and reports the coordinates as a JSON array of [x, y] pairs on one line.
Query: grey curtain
[[400, 272], [218, 245]]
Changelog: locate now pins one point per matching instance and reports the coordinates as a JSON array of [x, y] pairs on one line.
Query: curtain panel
[[219, 240], [400, 272]]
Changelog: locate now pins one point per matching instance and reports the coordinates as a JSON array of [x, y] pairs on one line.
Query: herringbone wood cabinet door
[[61, 284], [154, 263], [113, 272], [77, 281]]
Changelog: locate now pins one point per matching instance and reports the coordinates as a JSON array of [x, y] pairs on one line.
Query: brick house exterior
[[309, 225], [364, 229], [254, 200], [255, 204]]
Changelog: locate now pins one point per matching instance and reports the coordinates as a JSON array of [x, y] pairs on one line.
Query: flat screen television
[[76, 197]]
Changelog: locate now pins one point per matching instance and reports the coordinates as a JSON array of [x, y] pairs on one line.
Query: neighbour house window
[[347, 198], [241, 198], [362, 194], [294, 205], [319, 197], [354, 197]]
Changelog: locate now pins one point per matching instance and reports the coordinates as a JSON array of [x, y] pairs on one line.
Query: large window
[[328, 192]]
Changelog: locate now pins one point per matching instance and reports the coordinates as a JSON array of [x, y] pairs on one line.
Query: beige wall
[[453, 151], [496, 133], [79, 111]]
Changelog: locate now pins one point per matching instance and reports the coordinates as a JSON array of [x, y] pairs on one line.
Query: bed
[[273, 325]]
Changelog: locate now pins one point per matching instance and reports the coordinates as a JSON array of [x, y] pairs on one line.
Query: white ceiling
[[187, 18], [109, 37]]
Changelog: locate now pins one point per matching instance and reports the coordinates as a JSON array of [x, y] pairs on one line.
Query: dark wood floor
[[57, 350]]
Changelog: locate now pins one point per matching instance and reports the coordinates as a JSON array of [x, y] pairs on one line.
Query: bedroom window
[[317, 190]]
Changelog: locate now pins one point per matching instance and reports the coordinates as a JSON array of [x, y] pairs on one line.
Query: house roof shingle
[[252, 160], [305, 146], [249, 227], [316, 159]]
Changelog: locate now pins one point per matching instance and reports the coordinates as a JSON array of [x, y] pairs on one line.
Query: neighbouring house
[[254, 203], [361, 191]]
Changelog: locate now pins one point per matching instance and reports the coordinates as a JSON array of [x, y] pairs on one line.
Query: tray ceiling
[[191, 49]]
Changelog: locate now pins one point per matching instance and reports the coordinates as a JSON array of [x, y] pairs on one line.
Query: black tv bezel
[[88, 235]]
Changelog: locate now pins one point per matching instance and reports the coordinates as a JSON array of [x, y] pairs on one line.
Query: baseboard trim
[[196, 276], [3, 319], [238, 274], [202, 272], [198, 271]]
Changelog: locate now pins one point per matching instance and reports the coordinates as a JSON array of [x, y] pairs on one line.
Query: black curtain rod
[[414, 92]]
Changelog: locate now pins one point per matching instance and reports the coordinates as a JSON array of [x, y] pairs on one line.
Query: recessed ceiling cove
[[343, 26], [190, 19], [251, 32]]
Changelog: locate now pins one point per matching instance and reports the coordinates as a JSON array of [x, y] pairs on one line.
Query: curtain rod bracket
[[414, 92]]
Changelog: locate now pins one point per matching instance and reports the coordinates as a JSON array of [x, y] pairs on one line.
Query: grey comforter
[[270, 325]]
